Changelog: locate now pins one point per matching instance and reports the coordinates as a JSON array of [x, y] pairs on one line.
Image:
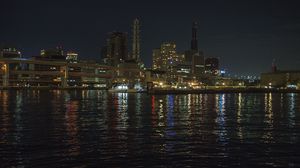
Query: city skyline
[[239, 33]]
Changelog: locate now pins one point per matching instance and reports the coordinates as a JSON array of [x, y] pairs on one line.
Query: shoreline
[[170, 91], [224, 90]]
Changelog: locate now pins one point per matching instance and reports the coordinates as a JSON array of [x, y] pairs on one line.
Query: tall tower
[[136, 40], [194, 42]]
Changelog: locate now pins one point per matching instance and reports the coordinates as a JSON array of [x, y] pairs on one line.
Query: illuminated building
[[10, 53], [56, 54], [166, 59], [53, 54], [156, 59], [184, 72], [72, 57], [281, 79], [168, 55], [212, 66], [170, 60], [37, 73], [155, 78], [130, 79], [136, 40], [117, 50]]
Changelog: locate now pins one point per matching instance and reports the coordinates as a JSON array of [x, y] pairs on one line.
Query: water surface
[[99, 129]]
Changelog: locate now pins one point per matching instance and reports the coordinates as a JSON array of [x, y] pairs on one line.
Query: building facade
[[117, 49], [72, 57], [212, 66], [52, 54], [168, 55], [156, 59], [10, 53], [280, 78]]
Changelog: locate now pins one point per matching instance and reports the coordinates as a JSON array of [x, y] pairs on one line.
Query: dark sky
[[245, 34]]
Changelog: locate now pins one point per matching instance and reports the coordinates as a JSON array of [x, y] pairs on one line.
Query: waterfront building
[[39, 73], [279, 78], [155, 79], [10, 53], [130, 79]]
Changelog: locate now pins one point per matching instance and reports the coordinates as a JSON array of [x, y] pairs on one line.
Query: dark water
[[100, 129]]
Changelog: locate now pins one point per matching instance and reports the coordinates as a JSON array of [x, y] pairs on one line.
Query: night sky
[[245, 34]]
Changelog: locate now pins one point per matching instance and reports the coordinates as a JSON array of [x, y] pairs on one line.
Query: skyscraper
[[194, 42], [165, 57], [194, 56], [156, 59], [168, 55], [117, 50], [136, 40]]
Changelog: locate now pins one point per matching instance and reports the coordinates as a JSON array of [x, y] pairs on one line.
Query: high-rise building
[[166, 59], [10, 53], [168, 55], [212, 66], [170, 60], [117, 50], [156, 59], [136, 40], [194, 41], [194, 56], [72, 57]]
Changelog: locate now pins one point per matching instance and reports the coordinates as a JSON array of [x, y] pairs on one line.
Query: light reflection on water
[[86, 128]]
